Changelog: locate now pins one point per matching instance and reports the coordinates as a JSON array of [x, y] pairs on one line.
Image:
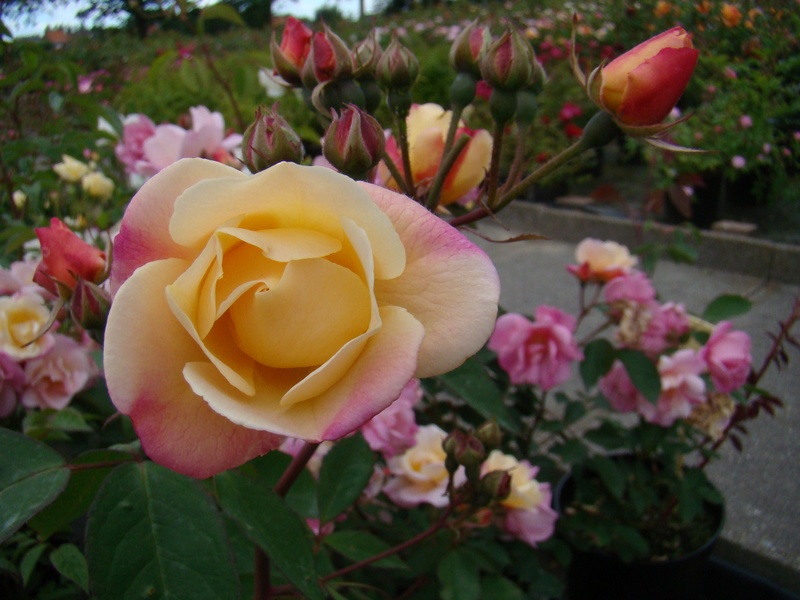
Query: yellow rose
[[21, 320], [292, 302], [71, 169], [98, 185]]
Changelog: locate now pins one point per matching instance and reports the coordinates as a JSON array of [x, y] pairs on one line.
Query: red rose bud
[[468, 47], [354, 142], [65, 258], [89, 308], [270, 140], [508, 64], [330, 57], [641, 87], [397, 68], [288, 58], [366, 55]]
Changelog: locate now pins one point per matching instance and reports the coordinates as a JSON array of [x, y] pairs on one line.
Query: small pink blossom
[[130, 150], [738, 162], [745, 121], [619, 390], [631, 287], [730, 73], [52, 379], [727, 356], [540, 352], [668, 324], [682, 388], [393, 430], [766, 148]]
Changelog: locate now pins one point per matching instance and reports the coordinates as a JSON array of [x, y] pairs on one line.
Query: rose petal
[[438, 284], [286, 196], [176, 427], [144, 234], [373, 382]]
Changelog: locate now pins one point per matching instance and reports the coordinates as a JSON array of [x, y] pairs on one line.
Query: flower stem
[[494, 165], [396, 174], [445, 167], [402, 137]]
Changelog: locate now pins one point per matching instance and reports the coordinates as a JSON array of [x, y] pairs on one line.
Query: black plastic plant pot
[[595, 575]]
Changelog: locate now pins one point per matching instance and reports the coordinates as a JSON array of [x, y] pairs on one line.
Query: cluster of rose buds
[[635, 93]]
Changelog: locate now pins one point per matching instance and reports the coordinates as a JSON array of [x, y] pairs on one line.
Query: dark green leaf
[[459, 576], [32, 475], [726, 307], [608, 435], [500, 588], [609, 473], [266, 470], [272, 525], [643, 373], [70, 562], [155, 534], [345, 472], [598, 357], [41, 423], [571, 451], [79, 493], [29, 560], [471, 382], [360, 545]]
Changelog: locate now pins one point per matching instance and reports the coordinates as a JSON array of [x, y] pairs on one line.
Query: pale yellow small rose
[[22, 319], [71, 169], [598, 260], [19, 198], [98, 185], [525, 493]]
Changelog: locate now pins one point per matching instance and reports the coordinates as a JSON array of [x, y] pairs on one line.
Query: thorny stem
[[508, 195], [523, 133], [494, 165], [396, 174], [262, 589], [402, 136], [420, 537]]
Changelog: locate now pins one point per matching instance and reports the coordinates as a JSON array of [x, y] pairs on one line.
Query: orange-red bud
[[288, 57], [66, 258], [354, 142]]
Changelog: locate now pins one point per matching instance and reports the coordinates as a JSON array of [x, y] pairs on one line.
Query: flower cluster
[[91, 180], [146, 148]]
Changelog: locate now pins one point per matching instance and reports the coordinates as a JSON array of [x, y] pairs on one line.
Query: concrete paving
[[761, 485]]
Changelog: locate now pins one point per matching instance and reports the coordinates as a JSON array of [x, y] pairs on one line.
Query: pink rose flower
[[630, 287], [12, 380], [136, 130], [393, 430], [727, 356], [539, 353], [682, 388], [51, 380], [619, 390], [294, 302], [668, 324]]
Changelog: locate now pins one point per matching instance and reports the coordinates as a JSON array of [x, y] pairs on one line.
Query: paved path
[[761, 485]]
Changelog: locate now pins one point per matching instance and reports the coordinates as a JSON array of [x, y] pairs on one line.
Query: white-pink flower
[[682, 388], [746, 121], [738, 162], [727, 355], [619, 390], [419, 475], [136, 130], [630, 287], [51, 380], [393, 430], [528, 515], [540, 352], [668, 324]]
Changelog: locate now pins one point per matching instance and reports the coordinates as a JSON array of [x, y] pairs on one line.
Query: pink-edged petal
[[176, 427], [144, 233], [449, 284], [287, 196], [372, 383]]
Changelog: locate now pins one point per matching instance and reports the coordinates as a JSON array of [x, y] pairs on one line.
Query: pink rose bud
[[270, 140], [641, 87], [398, 68], [468, 47], [290, 55], [329, 57], [366, 55], [354, 142], [66, 258], [508, 63], [727, 355]]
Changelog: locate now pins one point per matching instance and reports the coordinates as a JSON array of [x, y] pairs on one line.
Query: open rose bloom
[[294, 302]]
